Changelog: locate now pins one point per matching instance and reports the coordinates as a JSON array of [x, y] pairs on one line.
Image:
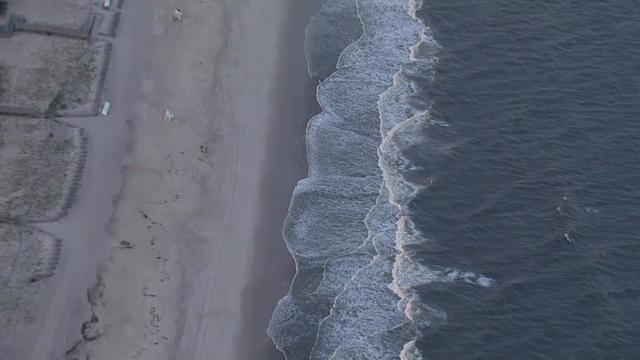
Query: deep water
[[474, 183], [540, 188]]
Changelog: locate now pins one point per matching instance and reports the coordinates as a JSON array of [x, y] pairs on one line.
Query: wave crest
[[349, 226]]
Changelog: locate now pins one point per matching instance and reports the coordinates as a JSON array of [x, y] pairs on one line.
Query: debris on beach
[[204, 149], [90, 330], [177, 15], [126, 245]]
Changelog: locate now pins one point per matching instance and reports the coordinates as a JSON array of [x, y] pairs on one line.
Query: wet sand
[[272, 265]]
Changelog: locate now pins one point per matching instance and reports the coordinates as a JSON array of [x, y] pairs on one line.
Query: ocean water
[[474, 183]]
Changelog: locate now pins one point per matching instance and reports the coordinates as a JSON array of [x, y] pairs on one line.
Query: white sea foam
[[410, 352], [349, 226], [365, 318]]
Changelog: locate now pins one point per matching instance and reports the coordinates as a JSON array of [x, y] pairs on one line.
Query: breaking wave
[[349, 228]]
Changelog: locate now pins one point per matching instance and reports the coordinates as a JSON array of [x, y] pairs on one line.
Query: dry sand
[[191, 253]]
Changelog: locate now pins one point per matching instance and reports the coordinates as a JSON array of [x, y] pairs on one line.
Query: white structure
[[169, 116], [106, 4], [105, 108], [177, 15]]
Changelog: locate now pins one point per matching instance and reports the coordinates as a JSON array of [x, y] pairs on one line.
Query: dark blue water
[[541, 187], [474, 183]]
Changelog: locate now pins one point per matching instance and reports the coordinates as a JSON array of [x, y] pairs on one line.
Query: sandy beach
[[173, 248]]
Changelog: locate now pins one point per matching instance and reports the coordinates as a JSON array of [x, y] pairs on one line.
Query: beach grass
[[59, 74], [80, 74], [39, 164], [27, 255]]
